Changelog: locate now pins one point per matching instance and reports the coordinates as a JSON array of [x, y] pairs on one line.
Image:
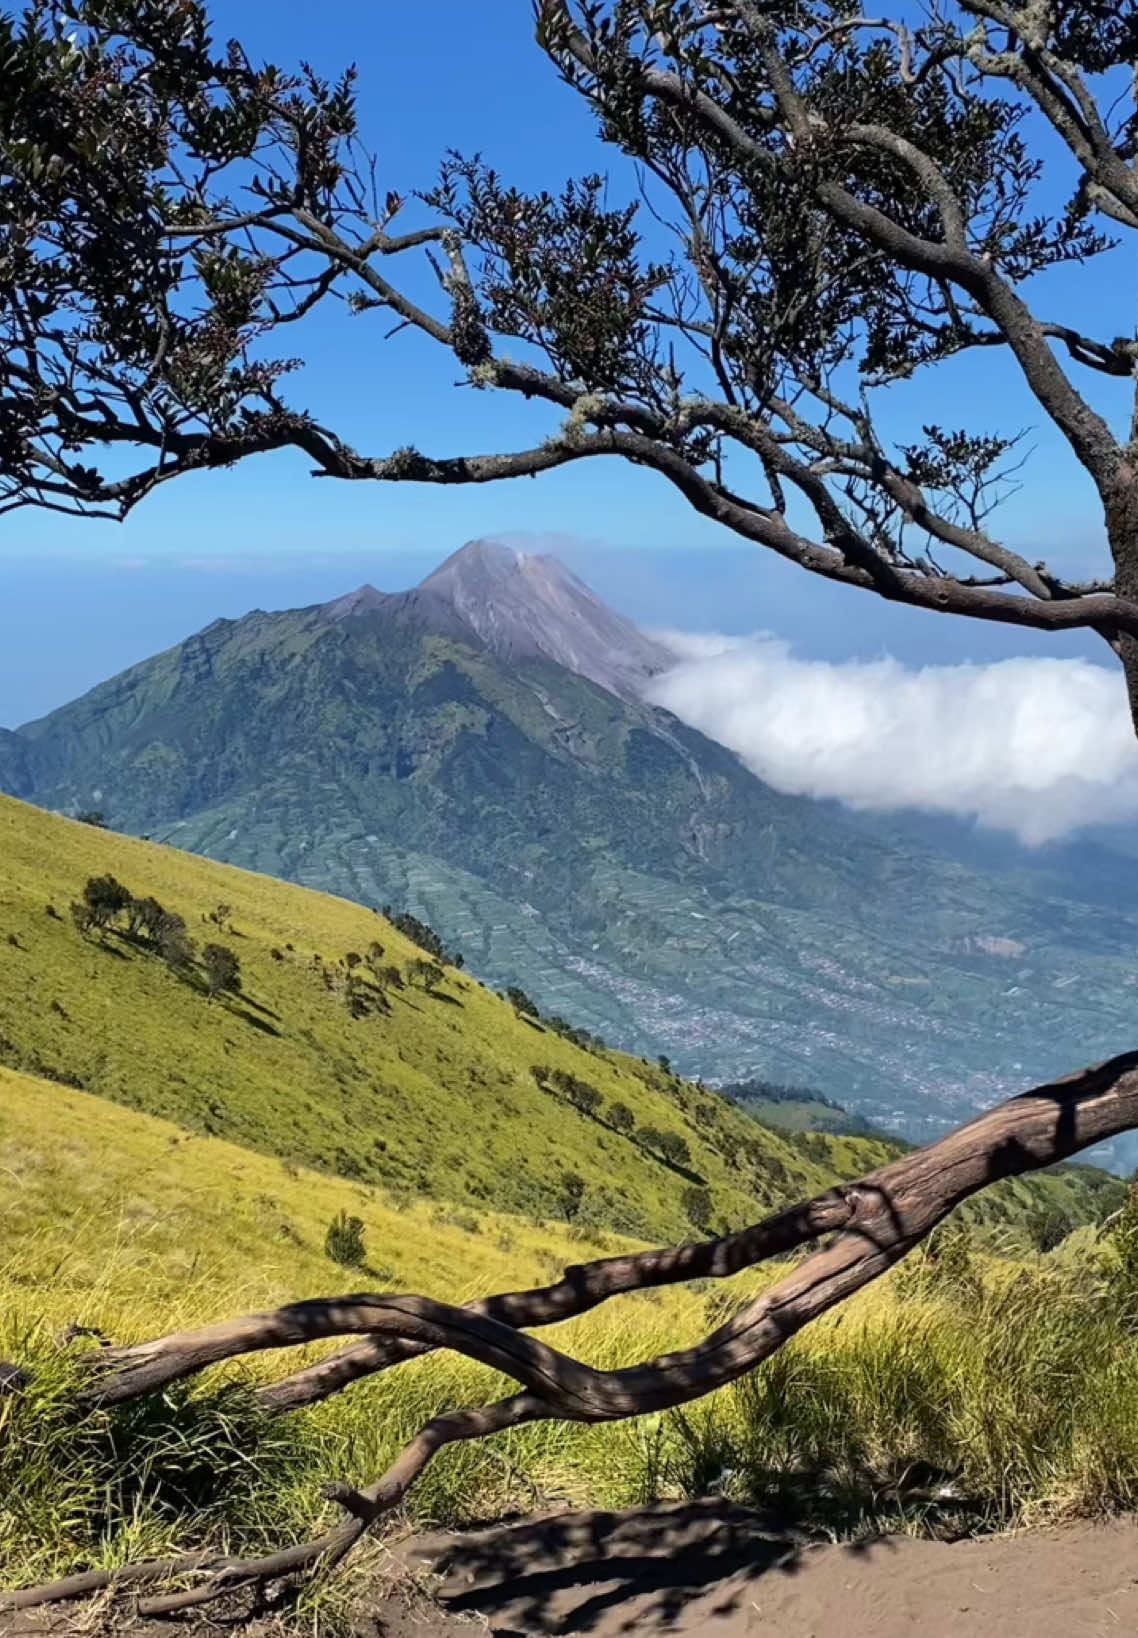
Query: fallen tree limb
[[124, 1373], [874, 1222]]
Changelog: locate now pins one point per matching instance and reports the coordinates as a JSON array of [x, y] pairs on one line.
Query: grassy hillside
[[435, 1096], [126, 1223], [959, 1392], [431, 1093], [194, 1172]]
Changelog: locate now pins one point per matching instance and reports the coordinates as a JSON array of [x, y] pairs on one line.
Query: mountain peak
[[520, 605], [525, 604], [477, 557], [354, 602]]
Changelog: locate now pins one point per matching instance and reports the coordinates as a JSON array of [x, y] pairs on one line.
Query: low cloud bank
[[1035, 746]]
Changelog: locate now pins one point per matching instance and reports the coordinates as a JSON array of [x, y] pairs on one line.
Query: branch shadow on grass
[[259, 1006]]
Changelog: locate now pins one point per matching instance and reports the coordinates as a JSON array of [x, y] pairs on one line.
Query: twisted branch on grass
[[874, 1222]]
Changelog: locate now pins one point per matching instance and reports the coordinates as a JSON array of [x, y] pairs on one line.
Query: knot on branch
[[73, 1333], [469, 339], [406, 463], [351, 1500], [586, 408]]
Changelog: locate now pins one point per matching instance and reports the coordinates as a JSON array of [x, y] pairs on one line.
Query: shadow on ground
[[622, 1572], [719, 1571]]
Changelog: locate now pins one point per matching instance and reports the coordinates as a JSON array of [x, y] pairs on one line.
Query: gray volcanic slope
[[522, 605]]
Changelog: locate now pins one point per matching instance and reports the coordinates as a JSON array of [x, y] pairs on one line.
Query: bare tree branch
[[874, 1222]]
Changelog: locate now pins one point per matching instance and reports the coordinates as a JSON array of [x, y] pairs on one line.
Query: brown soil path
[[719, 1571], [711, 1569]]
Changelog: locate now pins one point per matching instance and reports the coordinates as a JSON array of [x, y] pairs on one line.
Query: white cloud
[[1036, 746]]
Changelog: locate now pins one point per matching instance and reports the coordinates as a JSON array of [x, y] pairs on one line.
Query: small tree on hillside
[[572, 1193], [621, 1117], [584, 1097], [698, 1207], [670, 1146], [222, 970], [675, 1148], [80, 913], [522, 1003], [146, 916], [425, 975], [105, 899], [175, 945]]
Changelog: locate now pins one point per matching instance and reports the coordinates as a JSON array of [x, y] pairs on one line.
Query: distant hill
[[423, 1084], [474, 750], [797, 1108]]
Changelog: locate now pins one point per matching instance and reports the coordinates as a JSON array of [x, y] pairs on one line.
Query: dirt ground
[[719, 1571]]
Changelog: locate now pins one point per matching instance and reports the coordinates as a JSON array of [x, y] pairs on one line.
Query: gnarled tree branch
[[873, 1223]]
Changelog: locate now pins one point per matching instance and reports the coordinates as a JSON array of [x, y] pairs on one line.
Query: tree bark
[[1121, 517]]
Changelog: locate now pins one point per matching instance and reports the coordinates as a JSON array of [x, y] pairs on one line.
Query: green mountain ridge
[[797, 1109], [625, 870]]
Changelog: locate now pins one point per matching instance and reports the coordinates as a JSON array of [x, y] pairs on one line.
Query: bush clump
[[420, 933], [222, 970], [344, 1241], [621, 1118], [670, 1146]]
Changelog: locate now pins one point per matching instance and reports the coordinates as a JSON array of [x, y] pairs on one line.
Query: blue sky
[[83, 599]]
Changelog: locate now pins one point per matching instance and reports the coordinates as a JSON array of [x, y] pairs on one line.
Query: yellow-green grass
[[1014, 1385], [437, 1098], [196, 1176], [124, 1223]]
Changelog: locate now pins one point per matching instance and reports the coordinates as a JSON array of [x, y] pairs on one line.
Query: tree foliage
[[175, 945], [521, 1002], [104, 899], [698, 1207], [426, 975], [422, 934], [670, 1146], [815, 204], [222, 970], [621, 1117], [571, 1191]]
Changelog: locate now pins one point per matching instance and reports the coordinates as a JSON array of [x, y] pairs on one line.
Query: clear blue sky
[[83, 599]]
